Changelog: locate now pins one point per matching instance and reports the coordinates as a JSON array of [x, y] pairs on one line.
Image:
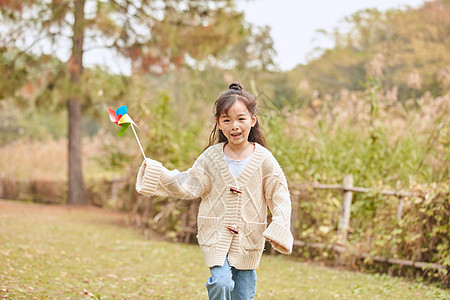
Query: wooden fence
[[348, 189]]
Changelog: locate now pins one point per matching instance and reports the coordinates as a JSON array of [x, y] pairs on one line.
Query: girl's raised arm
[[155, 180]]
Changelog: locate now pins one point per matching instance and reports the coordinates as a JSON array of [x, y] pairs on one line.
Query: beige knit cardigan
[[240, 203]]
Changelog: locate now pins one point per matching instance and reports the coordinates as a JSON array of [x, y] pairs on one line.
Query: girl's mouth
[[236, 135]]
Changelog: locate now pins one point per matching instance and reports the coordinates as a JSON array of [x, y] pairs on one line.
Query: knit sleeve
[[155, 180], [279, 202]]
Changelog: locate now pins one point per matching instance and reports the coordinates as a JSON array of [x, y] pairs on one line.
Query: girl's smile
[[236, 124]]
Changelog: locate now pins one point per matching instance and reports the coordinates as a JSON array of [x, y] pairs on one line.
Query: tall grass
[[396, 144], [28, 159]]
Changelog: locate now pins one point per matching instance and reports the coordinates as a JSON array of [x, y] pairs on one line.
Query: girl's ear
[[254, 119], [217, 124]]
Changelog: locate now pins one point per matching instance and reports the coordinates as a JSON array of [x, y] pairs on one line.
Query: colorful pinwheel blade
[[121, 111], [124, 128], [112, 116], [125, 119]]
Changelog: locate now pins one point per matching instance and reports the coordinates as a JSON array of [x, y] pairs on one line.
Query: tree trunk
[[76, 189]]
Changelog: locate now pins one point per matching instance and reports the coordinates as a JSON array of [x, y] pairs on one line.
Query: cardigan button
[[235, 190], [233, 229]]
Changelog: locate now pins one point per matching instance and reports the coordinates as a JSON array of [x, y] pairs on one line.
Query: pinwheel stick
[[139, 142]]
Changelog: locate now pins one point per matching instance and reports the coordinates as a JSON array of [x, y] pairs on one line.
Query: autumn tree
[[156, 36], [409, 46], [256, 52]]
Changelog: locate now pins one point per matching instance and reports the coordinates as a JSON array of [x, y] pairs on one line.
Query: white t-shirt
[[236, 166]]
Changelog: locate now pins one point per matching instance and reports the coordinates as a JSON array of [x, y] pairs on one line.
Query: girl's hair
[[223, 104]]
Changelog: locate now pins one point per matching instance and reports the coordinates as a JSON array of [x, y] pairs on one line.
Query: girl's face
[[236, 124]]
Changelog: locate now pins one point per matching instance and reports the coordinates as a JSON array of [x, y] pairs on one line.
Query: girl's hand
[[274, 244], [278, 247]]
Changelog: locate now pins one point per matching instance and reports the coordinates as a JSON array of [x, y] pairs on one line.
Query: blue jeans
[[229, 283]]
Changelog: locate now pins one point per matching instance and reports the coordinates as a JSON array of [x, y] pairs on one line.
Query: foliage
[[255, 52], [407, 48], [149, 33], [364, 134], [420, 234]]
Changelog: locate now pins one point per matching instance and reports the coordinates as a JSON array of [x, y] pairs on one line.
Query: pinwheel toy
[[121, 117]]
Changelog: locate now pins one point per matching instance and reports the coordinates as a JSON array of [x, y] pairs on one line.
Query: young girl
[[237, 178]]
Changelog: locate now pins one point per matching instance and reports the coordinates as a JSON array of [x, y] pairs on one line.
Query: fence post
[[400, 208], [344, 216]]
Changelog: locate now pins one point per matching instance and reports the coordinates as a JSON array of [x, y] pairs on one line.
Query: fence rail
[[320, 186], [348, 189]]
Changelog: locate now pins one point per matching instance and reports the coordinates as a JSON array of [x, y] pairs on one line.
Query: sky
[[294, 25]]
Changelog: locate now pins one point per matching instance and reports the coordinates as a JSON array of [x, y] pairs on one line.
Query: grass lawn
[[61, 252]]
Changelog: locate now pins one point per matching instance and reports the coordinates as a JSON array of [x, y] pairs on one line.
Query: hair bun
[[235, 86]]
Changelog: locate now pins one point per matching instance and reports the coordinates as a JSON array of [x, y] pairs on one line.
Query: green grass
[[61, 252]]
